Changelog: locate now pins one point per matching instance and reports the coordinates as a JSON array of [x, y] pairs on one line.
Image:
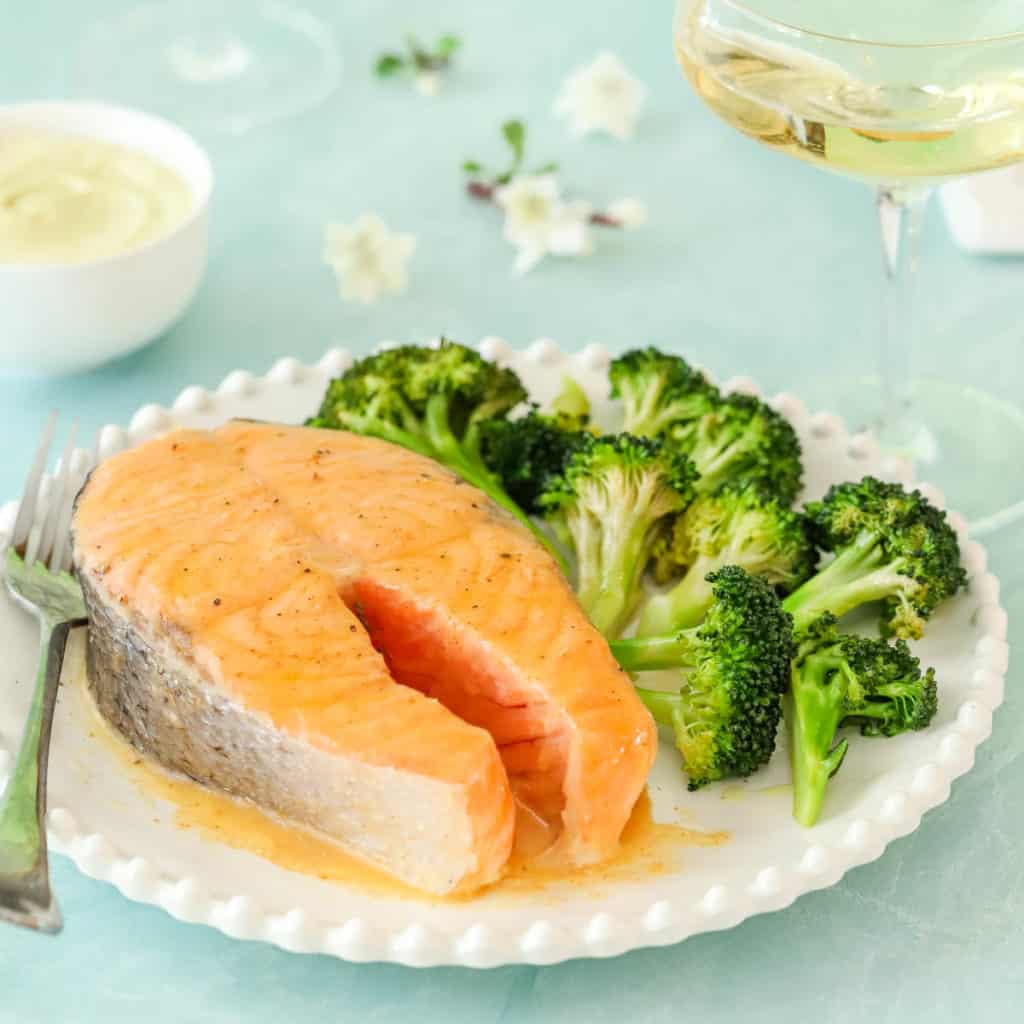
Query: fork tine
[[60, 560], [41, 541], [30, 495], [61, 494], [70, 476]]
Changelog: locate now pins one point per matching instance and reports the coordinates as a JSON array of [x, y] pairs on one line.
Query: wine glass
[[212, 65], [902, 96]]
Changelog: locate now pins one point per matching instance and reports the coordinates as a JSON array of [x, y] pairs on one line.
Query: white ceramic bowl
[[60, 318]]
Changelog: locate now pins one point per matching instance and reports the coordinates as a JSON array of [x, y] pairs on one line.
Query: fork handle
[[24, 878]]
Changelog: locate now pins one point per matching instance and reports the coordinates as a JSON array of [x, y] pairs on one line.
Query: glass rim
[[743, 8]]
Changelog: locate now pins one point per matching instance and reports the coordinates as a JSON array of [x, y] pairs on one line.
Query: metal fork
[[37, 577]]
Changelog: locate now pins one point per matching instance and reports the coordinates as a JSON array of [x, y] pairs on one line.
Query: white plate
[[114, 831]]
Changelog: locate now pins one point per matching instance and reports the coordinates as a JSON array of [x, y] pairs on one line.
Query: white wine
[[901, 95], [813, 109]]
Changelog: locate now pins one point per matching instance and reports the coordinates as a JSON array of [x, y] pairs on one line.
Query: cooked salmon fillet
[[219, 644], [468, 608]]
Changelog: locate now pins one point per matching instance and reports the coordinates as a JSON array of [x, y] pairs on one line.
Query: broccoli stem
[[810, 780], [683, 606], [663, 705], [609, 580], [604, 607], [855, 577], [669, 709], [642, 654], [647, 416], [571, 400], [385, 431], [640, 409], [716, 464], [470, 466], [813, 713], [439, 432]]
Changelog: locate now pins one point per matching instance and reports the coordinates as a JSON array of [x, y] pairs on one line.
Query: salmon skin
[[219, 644], [468, 608]]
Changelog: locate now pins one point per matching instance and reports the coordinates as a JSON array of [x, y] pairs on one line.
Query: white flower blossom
[[538, 220], [629, 212], [428, 83], [368, 259], [602, 97]]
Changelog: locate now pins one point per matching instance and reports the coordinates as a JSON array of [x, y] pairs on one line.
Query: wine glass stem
[[900, 213]]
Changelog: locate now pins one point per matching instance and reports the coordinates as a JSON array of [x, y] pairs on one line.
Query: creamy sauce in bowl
[[75, 199]]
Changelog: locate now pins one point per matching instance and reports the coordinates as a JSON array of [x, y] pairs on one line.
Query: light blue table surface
[[752, 264]]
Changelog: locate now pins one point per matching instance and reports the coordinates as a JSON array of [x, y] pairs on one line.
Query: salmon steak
[[345, 633]]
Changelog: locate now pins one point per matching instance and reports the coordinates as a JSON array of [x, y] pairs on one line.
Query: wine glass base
[[212, 65], [964, 440]]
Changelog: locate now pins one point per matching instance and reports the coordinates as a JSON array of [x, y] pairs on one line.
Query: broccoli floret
[[524, 452], [733, 439], [743, 441], [736, 526], [659, 392], [571, 401], [891, 545], [735, 666], [609, 503], [847, 680], [434, 401]]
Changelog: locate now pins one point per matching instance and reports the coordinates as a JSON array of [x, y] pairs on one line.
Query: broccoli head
[[891, 545], [609, 503], [659, 392], [743, 441], [435, 401], [524, 452], [432, 400], [735, 526], [369, 398], [838, 681], [734, 668]]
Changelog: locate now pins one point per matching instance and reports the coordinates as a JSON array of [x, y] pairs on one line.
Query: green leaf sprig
[[514, 134], [417, 58], [482, 185]]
